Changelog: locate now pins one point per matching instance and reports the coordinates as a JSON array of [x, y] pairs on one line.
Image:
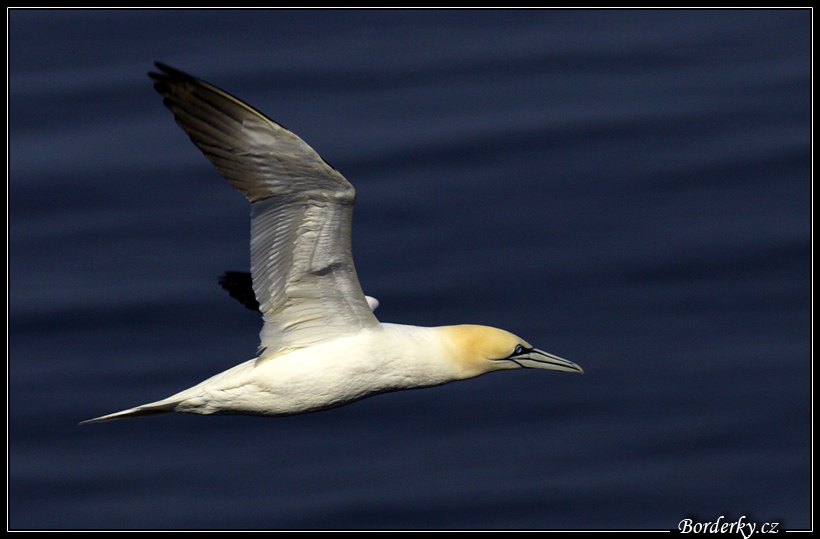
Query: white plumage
[[321, 345]]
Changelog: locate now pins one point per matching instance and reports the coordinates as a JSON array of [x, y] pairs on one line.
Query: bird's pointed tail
[[155, 408]]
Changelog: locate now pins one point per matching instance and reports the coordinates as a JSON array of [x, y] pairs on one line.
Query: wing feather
[[301, 214]]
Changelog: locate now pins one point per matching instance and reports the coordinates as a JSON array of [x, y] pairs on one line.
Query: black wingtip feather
[[240, 286], [170, 75], [169, 72]]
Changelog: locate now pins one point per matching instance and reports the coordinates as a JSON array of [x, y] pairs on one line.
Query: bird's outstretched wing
[[301, 214]]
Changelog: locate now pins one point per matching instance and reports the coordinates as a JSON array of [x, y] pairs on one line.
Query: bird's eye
[[518, 350]]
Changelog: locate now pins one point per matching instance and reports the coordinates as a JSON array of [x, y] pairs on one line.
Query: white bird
[[321, 346]]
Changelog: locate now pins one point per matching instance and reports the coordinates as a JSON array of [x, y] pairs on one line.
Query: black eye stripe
[[520, 349]]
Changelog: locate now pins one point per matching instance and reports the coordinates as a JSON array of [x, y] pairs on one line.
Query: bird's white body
[[321, 345], [331, 374]]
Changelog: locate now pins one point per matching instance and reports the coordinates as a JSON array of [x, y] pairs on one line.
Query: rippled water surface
[[630, 190]]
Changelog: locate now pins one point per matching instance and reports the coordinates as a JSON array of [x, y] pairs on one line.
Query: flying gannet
[[321, 345]]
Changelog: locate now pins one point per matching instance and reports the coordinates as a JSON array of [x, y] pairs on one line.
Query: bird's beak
[[538, 359]]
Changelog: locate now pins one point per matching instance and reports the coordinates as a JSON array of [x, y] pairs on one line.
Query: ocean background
[[630, 190]]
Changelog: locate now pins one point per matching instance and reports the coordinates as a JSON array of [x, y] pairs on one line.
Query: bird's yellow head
[[480, 349]]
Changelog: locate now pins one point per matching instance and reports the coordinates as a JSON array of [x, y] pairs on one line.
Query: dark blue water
[[630, 190]]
